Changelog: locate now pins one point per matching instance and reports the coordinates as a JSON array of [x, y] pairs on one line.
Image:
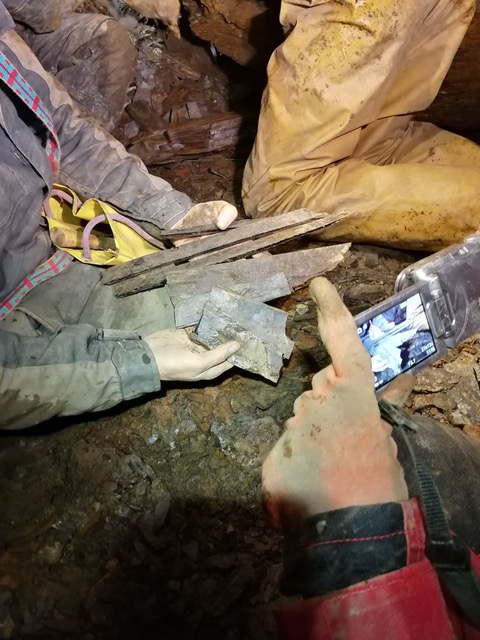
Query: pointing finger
[[338, 332], [398, 391]]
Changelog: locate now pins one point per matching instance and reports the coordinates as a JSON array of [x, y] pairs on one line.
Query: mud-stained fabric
[[67, 350], [58, 355], [40, 15], [336, 131], [92, 163], [52, 267], [17, 84], [93, 58]]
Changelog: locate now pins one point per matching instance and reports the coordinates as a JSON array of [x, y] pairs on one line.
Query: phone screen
[[397, 339]]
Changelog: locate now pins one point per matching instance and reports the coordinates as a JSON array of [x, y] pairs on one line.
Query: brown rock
[[472, 430], [439, 400], [306, 343], [245, 31]]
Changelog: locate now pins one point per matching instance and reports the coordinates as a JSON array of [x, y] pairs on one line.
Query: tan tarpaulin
[[335, 129]]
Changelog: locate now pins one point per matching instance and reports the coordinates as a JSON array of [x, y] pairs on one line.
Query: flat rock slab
[[259, 328], [264, 278], [189, 307]]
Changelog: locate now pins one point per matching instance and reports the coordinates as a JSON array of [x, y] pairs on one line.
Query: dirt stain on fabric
[[287, 449]]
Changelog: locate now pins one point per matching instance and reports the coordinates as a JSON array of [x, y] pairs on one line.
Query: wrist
[[133, 362]]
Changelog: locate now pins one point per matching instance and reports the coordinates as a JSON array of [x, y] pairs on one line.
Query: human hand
[[178, 358], [217, 212], [336, 452]]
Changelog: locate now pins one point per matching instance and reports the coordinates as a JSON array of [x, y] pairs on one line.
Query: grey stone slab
[[264, 278], [190, 300], [259, 328]]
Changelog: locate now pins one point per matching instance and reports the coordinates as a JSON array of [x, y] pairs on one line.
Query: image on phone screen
[[397, 339]]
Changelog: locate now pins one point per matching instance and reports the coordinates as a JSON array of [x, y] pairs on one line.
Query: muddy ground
[[146, 522]]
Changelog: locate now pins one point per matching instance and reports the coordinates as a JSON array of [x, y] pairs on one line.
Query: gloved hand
[[336, 452], [178, 358], [216, 212]]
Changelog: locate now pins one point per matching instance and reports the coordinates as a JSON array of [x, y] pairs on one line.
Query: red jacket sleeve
[[406, 604]]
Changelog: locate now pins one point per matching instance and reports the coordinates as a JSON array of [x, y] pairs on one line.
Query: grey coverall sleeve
[[76, 370], [40, 15], [80, 368], [93, 163]]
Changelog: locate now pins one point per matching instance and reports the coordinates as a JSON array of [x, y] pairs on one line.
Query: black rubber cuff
[[337, 549]]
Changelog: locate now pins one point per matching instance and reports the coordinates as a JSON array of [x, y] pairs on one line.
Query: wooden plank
[[248, 230], [157, 276], [194, 137], [250, 247], [299, 266]]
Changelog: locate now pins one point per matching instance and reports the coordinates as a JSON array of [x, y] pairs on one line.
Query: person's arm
[[94, 164], [355, 550], [81, 369], [76, 370]]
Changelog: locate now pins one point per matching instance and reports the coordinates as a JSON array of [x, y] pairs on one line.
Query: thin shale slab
[[264, 278], [189, 303], [259, 328]]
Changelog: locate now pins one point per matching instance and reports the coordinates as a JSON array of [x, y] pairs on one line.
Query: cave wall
[[457, 105]]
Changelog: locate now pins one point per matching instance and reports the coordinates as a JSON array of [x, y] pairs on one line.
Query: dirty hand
[[217, 212], [178, 358], [336, 452]]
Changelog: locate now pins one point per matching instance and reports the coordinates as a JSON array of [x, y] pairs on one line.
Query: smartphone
[[437, 305]]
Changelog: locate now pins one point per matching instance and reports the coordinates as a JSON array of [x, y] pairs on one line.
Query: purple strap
[[119, 218], [61, 194]]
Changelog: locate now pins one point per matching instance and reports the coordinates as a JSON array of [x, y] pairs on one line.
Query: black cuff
[[334, 550]]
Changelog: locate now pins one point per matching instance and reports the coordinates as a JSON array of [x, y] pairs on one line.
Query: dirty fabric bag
[[94, 232], [336, 128]]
